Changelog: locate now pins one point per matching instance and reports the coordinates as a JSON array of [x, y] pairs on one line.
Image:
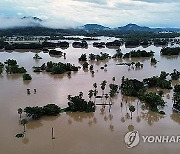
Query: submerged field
[[80, 133]]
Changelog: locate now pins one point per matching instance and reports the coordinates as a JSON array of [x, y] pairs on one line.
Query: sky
[[72, 13]]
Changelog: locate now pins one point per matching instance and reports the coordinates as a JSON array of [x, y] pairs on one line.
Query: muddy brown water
[[101, 132]]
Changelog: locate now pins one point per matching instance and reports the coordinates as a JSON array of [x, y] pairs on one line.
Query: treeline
[[38, 46], [42, 31], [170, 51]]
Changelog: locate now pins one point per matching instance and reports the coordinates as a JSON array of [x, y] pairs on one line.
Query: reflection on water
[[34, 124], [176, 117], [151, 117], [13, 76], [99, 132], [78, 117], [25, 140], [130, 128]]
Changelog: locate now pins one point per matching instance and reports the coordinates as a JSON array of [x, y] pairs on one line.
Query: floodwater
[[101, 132]]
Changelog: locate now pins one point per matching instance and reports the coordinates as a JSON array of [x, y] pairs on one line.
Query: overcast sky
[[113, 13]]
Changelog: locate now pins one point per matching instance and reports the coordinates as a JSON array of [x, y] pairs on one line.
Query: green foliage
[[160, 42], [170, 51], [132, 42], [38, 112], [3, 44], [132, 87], [27, 46], [101, 56], [132, 108], [118, 54], [37, 69], [78, 104], [27, 77], [138, 64], [11, 62], [160, 92], [83, 57], [153, 60], [85, 65], [95, 85], [113, 89], [90, 94], [51, 110], [12, 67], [176, 96], [177, 88], [20, 111], [175, 75], [36, 56], [91, 67], [9, 47], [160, 81], [24, 121], [56, 68], [115, 43], [34, 112], [82, 44], [15, 69], [138, 53], [92, 56], [1, 64], [1, 69], [153, 100]]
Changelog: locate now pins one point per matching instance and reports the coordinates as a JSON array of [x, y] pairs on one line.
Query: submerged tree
[[77, 103], [175, 75], [132, 109], [24, 122], [27, 77], [90, 94], [20, 110], [153, 100]]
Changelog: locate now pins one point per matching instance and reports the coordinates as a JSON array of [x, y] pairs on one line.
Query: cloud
[[113, 13], [29, 21], [102, 2], [159, 1], [15, 22]]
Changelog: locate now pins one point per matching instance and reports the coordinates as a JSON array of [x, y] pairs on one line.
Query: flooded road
[[101, 132]]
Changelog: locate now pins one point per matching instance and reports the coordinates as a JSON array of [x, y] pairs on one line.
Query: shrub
[[27, 77]]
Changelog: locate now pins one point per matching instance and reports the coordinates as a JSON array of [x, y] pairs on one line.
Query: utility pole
[[53, 133]]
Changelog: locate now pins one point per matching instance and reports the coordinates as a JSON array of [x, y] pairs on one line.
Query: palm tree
[[106, 96], [20, 112], [90, 94], [95, 94], [81, 94], [24, 122], [69, 97], [123, 78], [95, 85], [131, 109], [114, 79], [103, 86]]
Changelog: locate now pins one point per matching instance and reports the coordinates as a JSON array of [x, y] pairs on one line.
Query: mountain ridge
[[37, 22]]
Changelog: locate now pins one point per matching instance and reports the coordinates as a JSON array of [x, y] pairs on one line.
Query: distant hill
[[34, 26], [134, 27], [94, 27]]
